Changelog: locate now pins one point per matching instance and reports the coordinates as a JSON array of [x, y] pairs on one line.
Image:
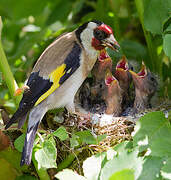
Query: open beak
[[109, 78], [138, 77], [122, 65], [111, 43], [141, 74]]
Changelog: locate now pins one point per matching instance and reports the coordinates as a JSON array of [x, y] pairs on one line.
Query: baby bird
[[112, 94], [104, 62], [145, 87], [123, 75]]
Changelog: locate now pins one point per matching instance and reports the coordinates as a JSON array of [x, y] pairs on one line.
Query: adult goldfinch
[[57, 75]]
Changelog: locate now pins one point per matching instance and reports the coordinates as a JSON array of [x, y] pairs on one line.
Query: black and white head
[[96, 35]]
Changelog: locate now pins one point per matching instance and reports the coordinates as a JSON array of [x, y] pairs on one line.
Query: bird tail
[[28, 144], [35, 118]]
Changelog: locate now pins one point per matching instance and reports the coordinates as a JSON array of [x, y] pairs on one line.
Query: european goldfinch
[[145, 87], [58, 74], [112, 95]]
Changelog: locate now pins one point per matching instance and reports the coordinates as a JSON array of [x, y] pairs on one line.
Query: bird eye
[[99, 34]]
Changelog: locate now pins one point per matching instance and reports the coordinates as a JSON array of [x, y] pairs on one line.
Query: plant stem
[[6, 71], [155, 62]]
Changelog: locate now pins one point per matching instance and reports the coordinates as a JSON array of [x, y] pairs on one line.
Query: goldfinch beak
[[111, 43]]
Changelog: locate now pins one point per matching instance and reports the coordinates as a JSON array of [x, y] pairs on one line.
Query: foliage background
[[142, 28]]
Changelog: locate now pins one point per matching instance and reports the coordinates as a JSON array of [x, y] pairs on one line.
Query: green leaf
[[151, 168], [68, 174], [74, 141], [154, 131], [166, 169], [126, 174], [126, 159], [19, 142], [61, 133], [167, 44], [92, 166], [46, 155], [156, 12], [86, 137]]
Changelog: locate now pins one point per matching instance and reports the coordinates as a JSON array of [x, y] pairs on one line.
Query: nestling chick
[[145, 87], [124, 77], [58, 74], [112, 95], [103, 63]]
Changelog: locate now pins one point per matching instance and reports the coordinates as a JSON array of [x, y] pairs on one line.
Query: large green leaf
[[46, 155], [154, 131], [125, 159], [151, 168], [92, 166], [156, 12]]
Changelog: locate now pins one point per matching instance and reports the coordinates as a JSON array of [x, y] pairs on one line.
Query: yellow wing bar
[[55, 78]]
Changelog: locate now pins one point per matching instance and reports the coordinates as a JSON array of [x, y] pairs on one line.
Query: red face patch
[[96, 44], [107, 29]]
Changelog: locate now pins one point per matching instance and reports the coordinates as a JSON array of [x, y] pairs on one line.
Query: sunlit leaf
[[46, 155], [68, 174], [126, 174], [157, 130], [92, 166], [125, 159]]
